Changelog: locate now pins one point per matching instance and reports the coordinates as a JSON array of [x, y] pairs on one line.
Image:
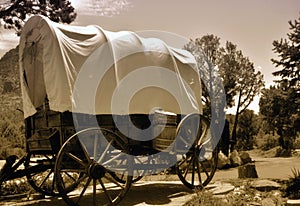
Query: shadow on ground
[[142, 193], [156, 194]]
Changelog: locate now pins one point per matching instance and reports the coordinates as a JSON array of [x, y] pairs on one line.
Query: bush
[[267, 141], [16, 186], [280, 152], [12, 129], [204, 198], [293, 185], [297, 142]]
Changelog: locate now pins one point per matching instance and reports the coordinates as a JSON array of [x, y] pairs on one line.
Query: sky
[[252, 25]]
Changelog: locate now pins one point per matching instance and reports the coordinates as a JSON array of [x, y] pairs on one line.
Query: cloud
[[8, 40], [106, 8]]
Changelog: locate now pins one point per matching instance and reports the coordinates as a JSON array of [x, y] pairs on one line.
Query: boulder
[[220, 188], [265, 185], [223, 161], [247, 171], [235, 159], [245, 157]]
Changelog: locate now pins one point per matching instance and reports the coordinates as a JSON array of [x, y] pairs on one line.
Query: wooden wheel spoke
[[70, 176], [187, 168], [53, 182], [114, 181], [44, 179], [73, 170], [94, 191], [86, 154], [199, 173], [122, 176], [104, 152], [193, 171], [204, 169], [47, 157], [76, 182], [76, 159], [181, 162], [84, 189], [105, 191], [113, 159], [81, 179], [95, 146]]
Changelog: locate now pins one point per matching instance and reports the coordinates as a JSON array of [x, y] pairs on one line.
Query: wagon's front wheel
[[93, 154], [196, 167], [195, 173]]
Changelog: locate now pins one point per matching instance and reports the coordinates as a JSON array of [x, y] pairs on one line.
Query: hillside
[[10, 93], [11, 119], [9, 73]]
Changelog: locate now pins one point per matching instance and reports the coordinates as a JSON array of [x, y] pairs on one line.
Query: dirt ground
[[168, 190], [267, 168]]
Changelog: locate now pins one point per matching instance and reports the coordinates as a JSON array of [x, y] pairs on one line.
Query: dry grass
[[243, 194], [16, 186]]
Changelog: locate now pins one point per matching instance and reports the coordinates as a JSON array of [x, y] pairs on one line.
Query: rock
[[223, 161], [245, 157], [265, 185], [293, 202], [247, 171], [221, 188], [267, 202], [235, 159]]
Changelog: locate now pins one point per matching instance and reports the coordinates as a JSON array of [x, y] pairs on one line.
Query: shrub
[[293, 185], [204, 198], [267, 141], [16, 186], [280, 152], [297, 142], [12, 129]]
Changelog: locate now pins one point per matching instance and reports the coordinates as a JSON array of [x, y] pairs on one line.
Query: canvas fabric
[[87, 69]]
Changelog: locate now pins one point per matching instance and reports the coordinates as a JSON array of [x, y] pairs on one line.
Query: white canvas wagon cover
[[90, 70]]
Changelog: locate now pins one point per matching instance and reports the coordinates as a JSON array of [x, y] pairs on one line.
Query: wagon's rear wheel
[[93, 154], [197, 167], [41, 175]]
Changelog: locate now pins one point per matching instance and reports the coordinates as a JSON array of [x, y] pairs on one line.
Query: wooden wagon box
[[47, 130], [44, 141]]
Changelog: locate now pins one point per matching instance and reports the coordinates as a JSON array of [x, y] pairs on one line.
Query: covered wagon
[[105, 108]]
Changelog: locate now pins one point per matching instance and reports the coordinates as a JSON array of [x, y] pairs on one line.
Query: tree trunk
[[233, 134]]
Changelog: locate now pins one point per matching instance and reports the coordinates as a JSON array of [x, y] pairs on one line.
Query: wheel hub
[[96, 171]]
